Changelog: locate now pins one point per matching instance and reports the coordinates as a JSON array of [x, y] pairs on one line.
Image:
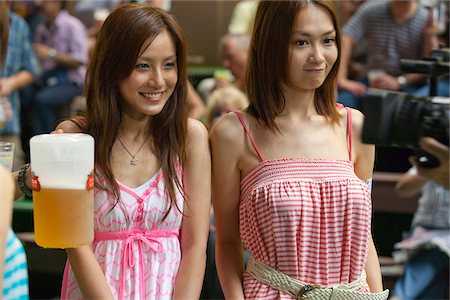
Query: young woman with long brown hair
[[152, 172]]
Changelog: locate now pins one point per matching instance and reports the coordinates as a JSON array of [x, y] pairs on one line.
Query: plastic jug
[[62, 184]]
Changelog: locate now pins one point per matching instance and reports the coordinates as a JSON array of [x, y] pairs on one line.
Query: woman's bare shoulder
[[196, 131], [357, 118], [228, 128]]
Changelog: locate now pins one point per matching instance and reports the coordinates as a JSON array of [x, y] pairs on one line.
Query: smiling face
[[153, 79], [312, 49]]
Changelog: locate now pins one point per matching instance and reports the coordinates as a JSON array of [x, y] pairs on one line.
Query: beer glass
[[7, 155], [62, 184]]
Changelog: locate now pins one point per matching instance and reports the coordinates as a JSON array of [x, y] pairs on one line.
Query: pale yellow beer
[[63, 218], [63, 185]]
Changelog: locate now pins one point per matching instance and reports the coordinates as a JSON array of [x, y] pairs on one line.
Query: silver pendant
[[133, 161]]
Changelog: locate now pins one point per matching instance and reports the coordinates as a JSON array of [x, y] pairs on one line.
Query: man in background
[[393, 30], [233, 50], [18, 70], [61, 47]]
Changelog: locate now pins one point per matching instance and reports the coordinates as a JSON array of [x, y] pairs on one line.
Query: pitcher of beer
[[62, 184]]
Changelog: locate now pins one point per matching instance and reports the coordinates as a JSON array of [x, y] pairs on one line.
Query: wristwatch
[[401, 80], [52, 53]]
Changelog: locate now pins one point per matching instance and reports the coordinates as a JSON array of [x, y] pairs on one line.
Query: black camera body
[[398, 119]]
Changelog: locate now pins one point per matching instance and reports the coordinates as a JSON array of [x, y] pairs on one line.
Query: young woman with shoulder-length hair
[[274, 60], [290, 173]]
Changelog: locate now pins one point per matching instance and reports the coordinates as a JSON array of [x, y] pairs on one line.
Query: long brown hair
[[269, 55], [118, 47], [4, 30]]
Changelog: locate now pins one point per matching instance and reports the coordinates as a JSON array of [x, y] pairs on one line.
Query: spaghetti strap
[[349, 131], [249, 135], [349, 128]]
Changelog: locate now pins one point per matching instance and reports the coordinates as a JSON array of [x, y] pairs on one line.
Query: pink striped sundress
[[308, 218], [138, 252]]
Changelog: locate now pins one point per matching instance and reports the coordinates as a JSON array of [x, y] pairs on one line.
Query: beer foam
[[62, 161]]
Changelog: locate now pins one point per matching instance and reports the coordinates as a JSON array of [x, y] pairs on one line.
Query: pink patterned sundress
[[138, 252], [308, 218]]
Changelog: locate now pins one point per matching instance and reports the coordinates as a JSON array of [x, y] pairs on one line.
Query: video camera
[[399, 119]]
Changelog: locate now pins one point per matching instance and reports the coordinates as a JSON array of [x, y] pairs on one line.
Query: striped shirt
[[20, 57], [387, 40], [433, 210], [67, 35], [15, 275]]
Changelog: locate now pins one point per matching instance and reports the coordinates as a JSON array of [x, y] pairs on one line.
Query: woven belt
[[300, 290]]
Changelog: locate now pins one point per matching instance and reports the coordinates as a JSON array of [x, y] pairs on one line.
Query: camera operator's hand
[[439, 174], [355, 87]]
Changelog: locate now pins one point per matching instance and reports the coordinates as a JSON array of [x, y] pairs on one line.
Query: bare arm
[[364, 154], [15, 82], [226, 190], [409, 184], [372, 268], [195, 227], [347, 43], [6, 199], [430, 42], [439, 174], [63, 59], [89, 275], [430, 37], [364, 162], [390, 82], [343, 82]]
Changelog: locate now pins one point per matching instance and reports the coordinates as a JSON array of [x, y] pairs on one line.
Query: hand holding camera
[[439, 174]]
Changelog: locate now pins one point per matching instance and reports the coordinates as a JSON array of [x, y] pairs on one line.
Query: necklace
[[133, 160]]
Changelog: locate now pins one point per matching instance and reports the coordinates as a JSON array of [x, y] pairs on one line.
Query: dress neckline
[[293, 159], [152, 181]]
